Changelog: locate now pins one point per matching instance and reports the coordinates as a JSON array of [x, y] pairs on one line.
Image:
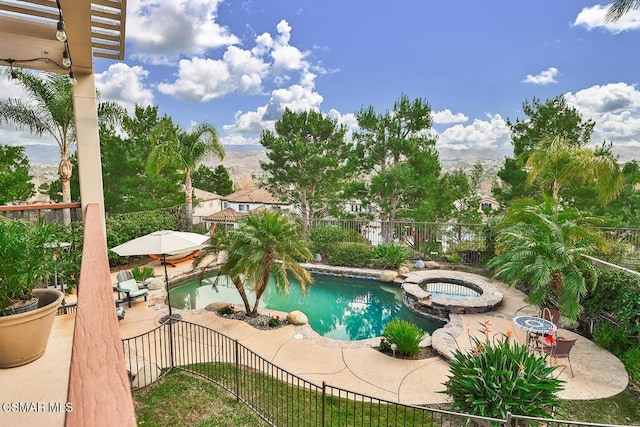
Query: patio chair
[[124, 275], [119, 311], [560, 350], [552, 315], [130, 291]]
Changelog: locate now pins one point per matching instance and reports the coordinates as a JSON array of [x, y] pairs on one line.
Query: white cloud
[[595, 17], [544, 78], [124, 85], [615, 108], [447, 116], [201, 80], [162, 31], [245, 71], [492, 133], [9, 89], [296, 98]]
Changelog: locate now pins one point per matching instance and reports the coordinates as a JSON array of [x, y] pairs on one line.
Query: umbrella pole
[[166, 284], [170, 318]]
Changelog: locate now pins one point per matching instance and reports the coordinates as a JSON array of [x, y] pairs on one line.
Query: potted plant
[[26, 313]]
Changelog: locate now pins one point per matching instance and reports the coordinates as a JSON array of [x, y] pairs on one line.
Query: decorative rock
[[296, 317], [419, 264], [155, 283], [388, 276], [216, 306], [403, 270], [432, 265], [317, 258]]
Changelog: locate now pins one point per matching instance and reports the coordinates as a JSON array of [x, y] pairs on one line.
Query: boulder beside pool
[[296, 317], [388, 276], [216, 306], [155, 283]]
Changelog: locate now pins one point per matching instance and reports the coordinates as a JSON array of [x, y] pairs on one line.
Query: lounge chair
[[560, 350], [175, 259], [129, 289]]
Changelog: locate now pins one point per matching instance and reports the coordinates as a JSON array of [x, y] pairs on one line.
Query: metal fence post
[[237, 363], [324, 403]]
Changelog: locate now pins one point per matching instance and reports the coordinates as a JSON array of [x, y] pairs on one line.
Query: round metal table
[[533, 324], [535, 327]]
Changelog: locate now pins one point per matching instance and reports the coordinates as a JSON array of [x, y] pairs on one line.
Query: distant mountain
[[41, 153]]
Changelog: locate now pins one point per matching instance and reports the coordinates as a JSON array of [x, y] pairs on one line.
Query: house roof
[[205, 195], [253, 195], [228, 214]]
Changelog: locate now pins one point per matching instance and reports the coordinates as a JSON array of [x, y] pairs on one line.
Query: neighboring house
[[241, 202], [252, 198], [206, 204], [487, 202]]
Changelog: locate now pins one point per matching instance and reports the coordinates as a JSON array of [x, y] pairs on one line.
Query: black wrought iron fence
[[280, 397]]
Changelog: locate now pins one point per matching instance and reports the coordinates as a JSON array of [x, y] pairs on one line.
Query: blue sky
[[237, 64]]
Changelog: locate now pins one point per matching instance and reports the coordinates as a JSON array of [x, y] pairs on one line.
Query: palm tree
[[556, 163], [266, 244], [48, 110], [619, 8], [542, 246], [174, 147]]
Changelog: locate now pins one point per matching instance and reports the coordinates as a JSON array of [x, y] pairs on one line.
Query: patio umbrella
[[163, 242]]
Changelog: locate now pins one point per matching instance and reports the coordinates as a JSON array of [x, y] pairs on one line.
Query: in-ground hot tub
[[437, 293]]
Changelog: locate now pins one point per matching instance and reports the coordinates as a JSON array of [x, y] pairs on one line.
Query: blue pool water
[[337, 307]]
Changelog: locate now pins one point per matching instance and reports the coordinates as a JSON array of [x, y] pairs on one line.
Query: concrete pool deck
[[357, 366], [354, 366]]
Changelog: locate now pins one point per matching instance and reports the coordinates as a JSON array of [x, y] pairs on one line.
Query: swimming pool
[[337, 307]]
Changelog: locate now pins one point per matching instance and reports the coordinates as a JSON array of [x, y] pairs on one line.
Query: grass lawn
[[182, 399], [188, 400]]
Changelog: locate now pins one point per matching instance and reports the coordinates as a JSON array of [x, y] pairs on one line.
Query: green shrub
[[125, 227], [142, 273], [499, 377], [349, 254], [227, 309], [389, 255], [631, 360], [611, 338], [385, 345], [405, 335], [323, 238], [274, 321]]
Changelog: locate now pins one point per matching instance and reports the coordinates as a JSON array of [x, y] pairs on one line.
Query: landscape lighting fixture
[[61, 34], [66, 59]]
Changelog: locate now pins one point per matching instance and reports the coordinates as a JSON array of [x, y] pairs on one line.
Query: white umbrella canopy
[[163, 242]]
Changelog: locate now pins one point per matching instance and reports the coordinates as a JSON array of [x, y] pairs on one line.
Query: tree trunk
[[65, 170], [188, 203], [262, 286], [243, 294]]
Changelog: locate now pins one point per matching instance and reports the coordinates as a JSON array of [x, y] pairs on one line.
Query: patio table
[[535, 327]]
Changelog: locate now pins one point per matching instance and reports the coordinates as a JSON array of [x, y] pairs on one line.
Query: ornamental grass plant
[[405, 335]]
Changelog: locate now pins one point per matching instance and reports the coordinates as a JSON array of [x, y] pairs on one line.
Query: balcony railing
[[49, 213], [99, 387]]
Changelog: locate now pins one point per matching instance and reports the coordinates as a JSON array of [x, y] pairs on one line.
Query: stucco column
[[85, 108]]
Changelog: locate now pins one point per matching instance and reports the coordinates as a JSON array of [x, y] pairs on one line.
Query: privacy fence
[[280, 397]]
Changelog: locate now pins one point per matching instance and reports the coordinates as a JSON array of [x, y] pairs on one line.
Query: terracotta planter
[[24, 337]]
